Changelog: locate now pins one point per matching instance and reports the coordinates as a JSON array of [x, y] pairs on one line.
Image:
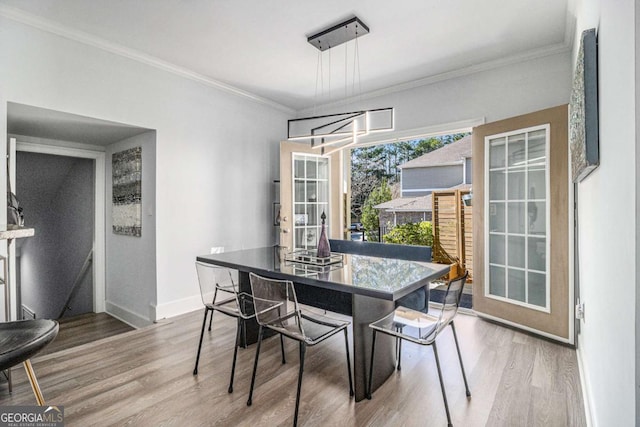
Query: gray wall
[[57, 195], [430, 178], [131, 261]]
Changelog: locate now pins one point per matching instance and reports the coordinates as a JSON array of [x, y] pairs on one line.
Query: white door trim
[[99, 249]]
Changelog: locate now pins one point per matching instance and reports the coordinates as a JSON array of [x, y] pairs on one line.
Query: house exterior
[[446, 168], [404, 210]]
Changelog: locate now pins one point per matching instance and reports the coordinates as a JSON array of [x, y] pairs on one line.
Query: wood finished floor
[[144, 378], [85, 328]]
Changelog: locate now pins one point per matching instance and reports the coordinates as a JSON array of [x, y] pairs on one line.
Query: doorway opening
[[401, 192], [55, 266], [60, 164]]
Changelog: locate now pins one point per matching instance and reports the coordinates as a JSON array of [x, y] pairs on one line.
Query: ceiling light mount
[[334, 132], [338, 34]]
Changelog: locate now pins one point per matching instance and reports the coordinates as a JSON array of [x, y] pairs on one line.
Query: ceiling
[[43, 123], [260, 47]]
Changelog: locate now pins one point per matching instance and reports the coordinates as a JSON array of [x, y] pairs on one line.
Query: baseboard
[[127, 316], [525, 328], [586, 390], [178, 307]]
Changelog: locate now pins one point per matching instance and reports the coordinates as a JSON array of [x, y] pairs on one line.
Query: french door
[[311, 184], [521, 238]]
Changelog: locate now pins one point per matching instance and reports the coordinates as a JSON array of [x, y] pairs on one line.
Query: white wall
[[216, 152], [131, 261], [607, 221], [494, 94]]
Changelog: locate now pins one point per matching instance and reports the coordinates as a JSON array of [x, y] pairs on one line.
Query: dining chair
[[23, 339], [423, 329], [277, 309], [220, 293]]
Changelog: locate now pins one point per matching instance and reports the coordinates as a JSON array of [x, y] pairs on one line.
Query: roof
[[415, 204], [464, 187], [407, 204], [450, 153]]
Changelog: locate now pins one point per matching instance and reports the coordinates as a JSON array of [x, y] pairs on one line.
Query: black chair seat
[[21, 340]]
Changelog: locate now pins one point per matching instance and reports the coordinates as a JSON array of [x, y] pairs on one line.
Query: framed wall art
[[127, 192], [583, 109]]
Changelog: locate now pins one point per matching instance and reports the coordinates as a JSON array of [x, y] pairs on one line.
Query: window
[[517, 240], [310, 198]]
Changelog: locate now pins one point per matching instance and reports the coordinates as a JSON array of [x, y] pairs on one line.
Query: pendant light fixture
[[333, 132]]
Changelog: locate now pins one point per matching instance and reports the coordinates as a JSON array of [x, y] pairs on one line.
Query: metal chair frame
[[269, 314], [436, 326], [239, 305]]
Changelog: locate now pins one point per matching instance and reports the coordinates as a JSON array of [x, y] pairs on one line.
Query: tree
[[370, 219], [367, 171], [371, 165], [425, 146], [411, 234]]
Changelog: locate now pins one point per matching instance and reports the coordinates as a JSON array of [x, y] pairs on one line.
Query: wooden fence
[[453, 229]]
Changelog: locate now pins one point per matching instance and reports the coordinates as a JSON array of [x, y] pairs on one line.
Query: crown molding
[[40, 23], [18, 15]]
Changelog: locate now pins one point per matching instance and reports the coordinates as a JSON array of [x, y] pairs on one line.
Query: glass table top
[[378, 277]]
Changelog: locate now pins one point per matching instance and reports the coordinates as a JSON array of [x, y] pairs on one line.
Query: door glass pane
[[516, 144], [517, 285], [496, 153], [298, 168], [496, 249], [299, 190], [312, 192], [537, 148], [311, 237], [496, 186], [323, 168], [312, 172], [536, 214], [516, 184], [537, 253], [496, 281], [299, 239], [312, 215], [496, 217], [537, 188], [300, 214], [516, 217], [323, 192], [516, 251], [537, 294]]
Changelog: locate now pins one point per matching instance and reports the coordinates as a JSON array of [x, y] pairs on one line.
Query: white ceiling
[[44, 123], [260, 47]]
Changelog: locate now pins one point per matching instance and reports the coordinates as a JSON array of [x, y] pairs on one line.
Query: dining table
[[364, 287]]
